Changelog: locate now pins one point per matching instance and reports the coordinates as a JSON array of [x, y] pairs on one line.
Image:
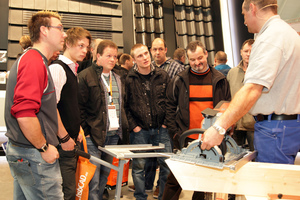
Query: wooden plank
[[276, 196], [253, 179]]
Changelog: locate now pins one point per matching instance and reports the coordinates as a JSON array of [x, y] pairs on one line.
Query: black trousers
[[240, 138], [68, 163]]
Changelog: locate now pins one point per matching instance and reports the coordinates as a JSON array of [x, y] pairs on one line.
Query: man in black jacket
[[103, 116], [197, 87], [145, 108]]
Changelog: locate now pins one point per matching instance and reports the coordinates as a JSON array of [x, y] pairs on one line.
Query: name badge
[[113, 119]]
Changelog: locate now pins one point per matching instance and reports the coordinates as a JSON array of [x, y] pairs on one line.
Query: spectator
[[25, 43], [179, 56], [30, 113], [54, 57], [63, 72], [86, 63], [196, 88], [160, 59], [145, 108], [103, 116], [125, 64], [220, 62], [244, 127], [126, 61]]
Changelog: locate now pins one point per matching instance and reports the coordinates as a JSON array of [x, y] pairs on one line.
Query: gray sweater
[[235, 78]]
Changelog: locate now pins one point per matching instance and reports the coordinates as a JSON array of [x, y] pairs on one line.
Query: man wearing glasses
[[30, 114], [64, 74]]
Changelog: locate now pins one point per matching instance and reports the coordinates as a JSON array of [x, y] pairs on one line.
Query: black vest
[[68, 105]]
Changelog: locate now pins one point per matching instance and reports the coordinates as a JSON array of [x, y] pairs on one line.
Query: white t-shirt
[[275, 64]]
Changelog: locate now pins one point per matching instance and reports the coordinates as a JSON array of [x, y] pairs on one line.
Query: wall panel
[[102, 18]]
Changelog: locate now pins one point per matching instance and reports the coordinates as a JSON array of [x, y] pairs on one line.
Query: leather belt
[[261, 117]]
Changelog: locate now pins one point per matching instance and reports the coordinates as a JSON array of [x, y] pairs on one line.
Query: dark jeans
[[68, 163], [173, 190], [240, 138], [150, 172], [154, 137]]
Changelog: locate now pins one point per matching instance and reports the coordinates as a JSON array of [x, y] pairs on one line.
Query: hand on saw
[[211, 138]]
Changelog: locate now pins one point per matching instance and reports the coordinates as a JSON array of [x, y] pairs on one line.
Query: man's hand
[[137, 129], [211, 138], [68, 146], [164, 126], [50, 155], [79, 138]]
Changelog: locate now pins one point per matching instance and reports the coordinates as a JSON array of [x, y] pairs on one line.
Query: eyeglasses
[[61, 28]]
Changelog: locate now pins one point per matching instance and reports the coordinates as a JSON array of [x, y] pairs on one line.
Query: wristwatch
[[44, 148], [220, 130]]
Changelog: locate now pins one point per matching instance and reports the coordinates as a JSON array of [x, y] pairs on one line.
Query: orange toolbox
[[112, 178]]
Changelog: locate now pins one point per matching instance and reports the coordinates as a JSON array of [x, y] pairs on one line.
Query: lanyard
[[109, 89]]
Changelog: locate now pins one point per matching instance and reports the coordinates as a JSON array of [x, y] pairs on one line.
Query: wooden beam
[[253, 179]]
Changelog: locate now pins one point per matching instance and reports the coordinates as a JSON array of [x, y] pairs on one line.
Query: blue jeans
[[34, 178], [277, 141], [154, 137], [99, 180]]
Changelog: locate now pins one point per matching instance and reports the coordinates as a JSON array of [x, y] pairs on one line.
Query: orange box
[[112, 178]]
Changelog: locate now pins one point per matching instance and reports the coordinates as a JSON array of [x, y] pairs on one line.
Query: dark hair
[[249, 41], [192, 46], [123, 58], [178, 53], [105, 43]]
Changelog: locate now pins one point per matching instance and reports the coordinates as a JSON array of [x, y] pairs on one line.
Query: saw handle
[[82, 154], [187, 133]]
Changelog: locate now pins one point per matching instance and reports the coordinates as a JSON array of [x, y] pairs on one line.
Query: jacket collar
[[216, 75], [136, 71]]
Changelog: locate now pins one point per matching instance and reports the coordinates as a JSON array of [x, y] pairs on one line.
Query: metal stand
[[124, 153]]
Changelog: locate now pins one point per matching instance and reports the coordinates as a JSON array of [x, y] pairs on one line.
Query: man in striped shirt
[[160, 59]]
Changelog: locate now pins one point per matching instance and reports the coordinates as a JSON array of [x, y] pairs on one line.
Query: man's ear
[[98, 55], [68, 45], [253, 8], [44, 30]]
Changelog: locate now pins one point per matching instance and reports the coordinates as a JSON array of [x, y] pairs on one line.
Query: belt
[[261, 117]]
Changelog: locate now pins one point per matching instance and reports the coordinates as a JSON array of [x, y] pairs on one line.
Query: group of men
[[155, 103]]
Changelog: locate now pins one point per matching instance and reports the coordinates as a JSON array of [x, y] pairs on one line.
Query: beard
[[199, 68]]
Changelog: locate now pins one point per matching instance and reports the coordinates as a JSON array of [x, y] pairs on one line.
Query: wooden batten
[[253, 179]]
